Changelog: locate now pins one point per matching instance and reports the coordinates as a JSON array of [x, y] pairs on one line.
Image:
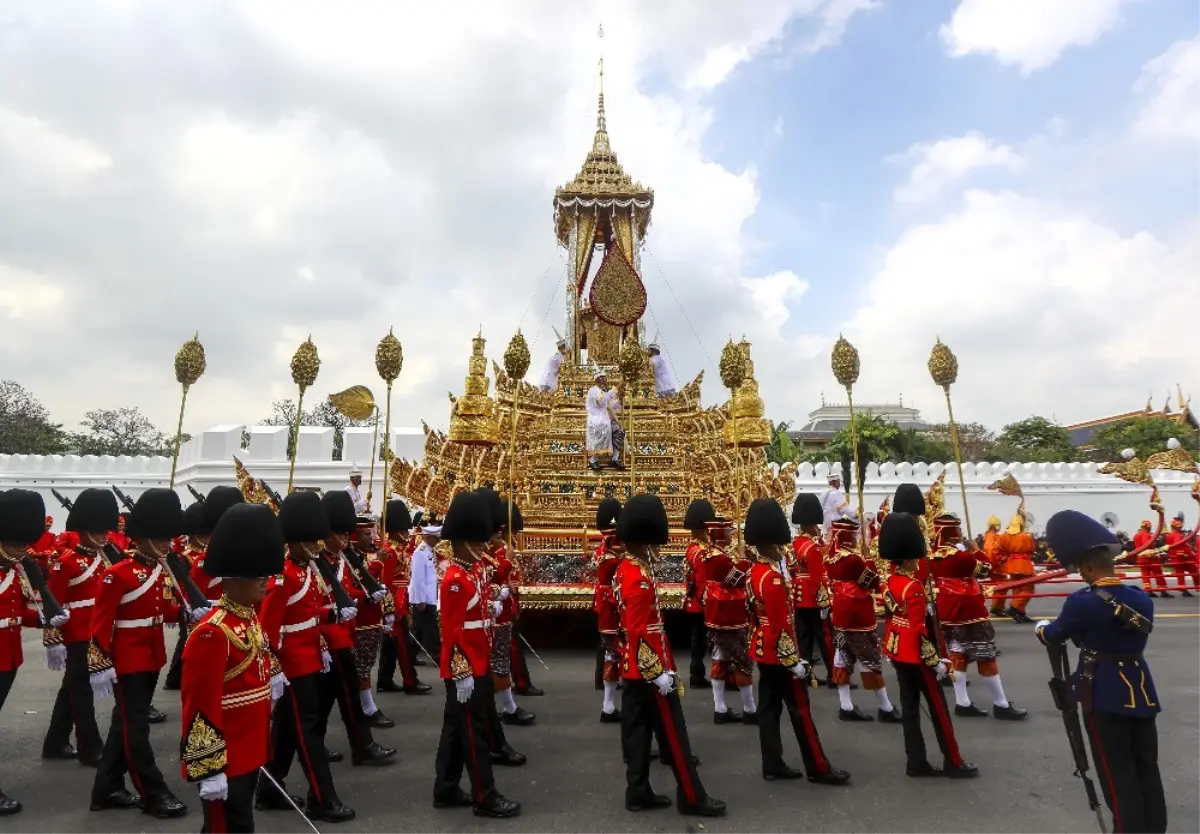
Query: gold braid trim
[[929, 652], [789, 656], [98, 661], [460, 667], [51, 637], [648, 662], [202, 750]]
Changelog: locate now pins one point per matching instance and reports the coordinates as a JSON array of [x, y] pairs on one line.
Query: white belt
[[81, 603], [10, 622], [311, 622], [140, 623], [471, 624]]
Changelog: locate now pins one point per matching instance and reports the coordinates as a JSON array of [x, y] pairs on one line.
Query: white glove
[[102, 684], [825, 612], [942, 669], [214, 788], [464, 687], [347, 613], [279, 682], [802, 670], [196, 614], [326, 662], [60, 620], [505, 592], [389, 621], [378, 595], [1041, 624], [56, 657], [497, 608], [665, 683]]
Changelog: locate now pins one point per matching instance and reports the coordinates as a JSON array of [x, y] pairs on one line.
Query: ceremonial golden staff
[[516, 365], [190, 365], [633, 365], [732, 368], [305, 365], [943, 367], [389, 359], [846, 367]]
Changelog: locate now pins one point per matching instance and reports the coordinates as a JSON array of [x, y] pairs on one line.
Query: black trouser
[[127, 748], [174, 677], [777, 688], [6, 682], [74, 707], [398, 650], [294, 733], [493, 729], [340, 685], [235, 812], [810, 630], [644, 713], [426, 628], [1125, 753], [517, 660], [464, 743], [698, 642], [917, 679]]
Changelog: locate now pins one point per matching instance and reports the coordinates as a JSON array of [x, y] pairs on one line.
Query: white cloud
[[1171, 83], [773, 293], [1032, 34], [938, 165], [1045, 309], [25, 294], [47, 151]]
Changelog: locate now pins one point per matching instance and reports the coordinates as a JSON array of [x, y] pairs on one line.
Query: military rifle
[[1065, 703], [125, 499], [66, 502], [195, 494]]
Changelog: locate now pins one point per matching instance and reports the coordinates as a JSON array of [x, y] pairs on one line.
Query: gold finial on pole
[[516, 365], [305, 365], [732, 367], [846, 367], [389, 359], [943, 367], [633, 368], [190, 365]]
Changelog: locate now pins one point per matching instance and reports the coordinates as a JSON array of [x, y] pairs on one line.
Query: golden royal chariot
[[675, 447]]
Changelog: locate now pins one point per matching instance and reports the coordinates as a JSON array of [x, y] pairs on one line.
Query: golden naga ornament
[[732, 366], [356, 402], [389, 357], [845, 362], [1176, 459], [190, 363], [305, 365], [516, 357], [943, 365], [1007, 485]]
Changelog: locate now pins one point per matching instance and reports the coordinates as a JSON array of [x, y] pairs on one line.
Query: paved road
[[574, 781]]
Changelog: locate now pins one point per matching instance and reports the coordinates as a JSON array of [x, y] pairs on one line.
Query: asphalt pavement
[[575, 779]]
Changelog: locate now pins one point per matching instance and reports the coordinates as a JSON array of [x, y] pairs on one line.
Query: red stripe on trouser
[[308, 768], [133, 773], [933, 694], [810, 729], [476, 781], [216, 817], [1098, 748], [682, 767], [401, 643]]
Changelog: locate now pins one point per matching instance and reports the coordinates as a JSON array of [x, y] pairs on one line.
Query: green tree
[[880, 436], [322, 414], [976, 441], [121, 431], [1034, 440], [1145, 435], [25, 427], [781, 448]]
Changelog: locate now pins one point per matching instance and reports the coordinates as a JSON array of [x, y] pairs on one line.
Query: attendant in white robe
[[599, 440], [834, 503], [664, 380], [549, 381], [362, 503]]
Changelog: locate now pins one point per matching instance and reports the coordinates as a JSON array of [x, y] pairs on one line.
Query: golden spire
[[600, 142]]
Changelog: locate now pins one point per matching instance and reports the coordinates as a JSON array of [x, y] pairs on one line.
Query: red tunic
[[647, 654], [75, 579], [960, 600], [370, 613], [396, 561], [604, 599], [905, 638], [127, 622], [225, 696], [16, 611], [773, 640], [722, 585], [466, 623], [119, 539], [1178, 550], [1018, 550], [340, 635], [210, 585], [502, 577], [691, 566], [852, 580], [807, 567], [44, 550], [298, 602]]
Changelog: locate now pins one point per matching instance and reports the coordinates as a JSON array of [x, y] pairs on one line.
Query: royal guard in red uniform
[[297, 604], [957, 567], [1181, 553], [698, 512], [856, 642], [909, 499], [912, 650], [506, 589], [128, 652], [398, 649], [230, 676], [75, 582], [722, 580], [119, 538], [604, 603], [467, 612], [782, 673], [185, 546], [376, 616], [340, 684], [22, 514], [45, 549], [518, 662], [806, 569]]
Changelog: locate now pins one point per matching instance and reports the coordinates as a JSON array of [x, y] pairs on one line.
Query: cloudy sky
[[1018, 177]]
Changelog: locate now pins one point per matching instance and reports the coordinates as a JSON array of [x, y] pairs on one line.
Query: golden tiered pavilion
[[676, 448]]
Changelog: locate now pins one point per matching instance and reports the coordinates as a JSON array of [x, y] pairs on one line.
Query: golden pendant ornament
[[356, 402], [389, 357], [516, 357], [845, 362], [943, 365], [190, 363], [618, 296], [632, 361], [305, 364], [732, 365]]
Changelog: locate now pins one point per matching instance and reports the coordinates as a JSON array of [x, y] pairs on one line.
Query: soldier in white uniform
[[362, 505], [549, 381], [664, 380]]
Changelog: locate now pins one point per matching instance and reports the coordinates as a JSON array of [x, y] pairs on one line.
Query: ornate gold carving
[[618, 296], [473, 415], [202, 750]]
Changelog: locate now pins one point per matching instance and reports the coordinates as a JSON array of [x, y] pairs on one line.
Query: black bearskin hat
[[220, 499], [806, 510], [22, 516], [900, 538], [766, 523], [398, 519], [157, 514], [607, 514], [94, 511], [518, 521], [247, 542], [302, 517], [699, 513], [193, 519], [495, 508], [469, 518], [418, 519], [339, 509], [643, 521], [909, 499]]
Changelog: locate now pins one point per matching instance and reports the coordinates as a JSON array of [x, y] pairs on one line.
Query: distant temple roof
[[831, 418], [1081, 434]]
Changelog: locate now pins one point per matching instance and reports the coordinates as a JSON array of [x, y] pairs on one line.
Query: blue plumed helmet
[[1070, 534]]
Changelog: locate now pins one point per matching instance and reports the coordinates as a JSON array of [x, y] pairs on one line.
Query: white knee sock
[[718, 690], [508, 701], [748, 704], [960, 689], [610, 692], [368, 702], [844, 697], [993, 683], [885, 703]]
